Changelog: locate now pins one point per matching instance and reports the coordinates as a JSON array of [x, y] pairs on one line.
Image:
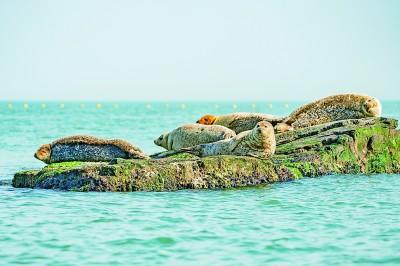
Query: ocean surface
[[331, 220]]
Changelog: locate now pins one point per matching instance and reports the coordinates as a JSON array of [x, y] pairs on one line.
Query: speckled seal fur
[[87, 149], [239, 122], [258, 142], [332, 108], [191, 135]]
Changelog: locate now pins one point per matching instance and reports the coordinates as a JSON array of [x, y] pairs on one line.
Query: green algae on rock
[[370, 145]]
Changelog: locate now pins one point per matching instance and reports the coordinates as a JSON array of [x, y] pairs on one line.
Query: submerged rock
[[355, 146]]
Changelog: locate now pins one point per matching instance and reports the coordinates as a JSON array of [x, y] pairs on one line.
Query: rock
[[355, 146]]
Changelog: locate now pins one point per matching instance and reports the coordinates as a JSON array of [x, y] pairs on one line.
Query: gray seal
[[191, 135], [87, 149]]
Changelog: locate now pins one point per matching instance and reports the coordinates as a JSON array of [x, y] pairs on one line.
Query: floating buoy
[[183, 106], [26, 106], [234, 106], [253, 105], [270, 106], [62, 105], [43, 105], [10, 106], [98, 105]]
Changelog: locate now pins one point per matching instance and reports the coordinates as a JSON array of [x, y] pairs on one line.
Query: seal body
[[191, 135], [332, 108], [87, 149], [239, 122], [258, 142]]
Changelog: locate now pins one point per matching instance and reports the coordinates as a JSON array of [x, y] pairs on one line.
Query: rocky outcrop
[[370, 145]]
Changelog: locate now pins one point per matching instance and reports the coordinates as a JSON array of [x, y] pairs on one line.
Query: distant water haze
[[198, 50]]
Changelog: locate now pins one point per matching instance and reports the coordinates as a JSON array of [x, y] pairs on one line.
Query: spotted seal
[[332, 108], [191, 135], [87, 149]]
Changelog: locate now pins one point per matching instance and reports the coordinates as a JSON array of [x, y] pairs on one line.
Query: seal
[[332, 108], [87, 149], [258, 142], [191, 135], [239, 122]]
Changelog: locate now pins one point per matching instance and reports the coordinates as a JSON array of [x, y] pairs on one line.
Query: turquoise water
[[328, 220]]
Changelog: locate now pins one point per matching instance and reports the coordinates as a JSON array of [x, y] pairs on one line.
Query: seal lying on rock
[[239, 122], [332, 108], [258, 142], [191, 135], [87, 149]]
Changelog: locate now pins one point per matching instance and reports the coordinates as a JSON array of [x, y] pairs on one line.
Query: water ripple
[[331, 220]]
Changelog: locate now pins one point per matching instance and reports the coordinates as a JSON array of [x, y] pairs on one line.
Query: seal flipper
[[165, 154], [234, 144], [195, 150], [255, 155]]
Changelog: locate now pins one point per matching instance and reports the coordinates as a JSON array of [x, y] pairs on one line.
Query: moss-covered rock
[[350, 146]]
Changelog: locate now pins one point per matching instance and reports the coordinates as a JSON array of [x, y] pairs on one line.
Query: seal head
[[207, 120], [372, 107], [263, 139], [43, 153], [162, 140]]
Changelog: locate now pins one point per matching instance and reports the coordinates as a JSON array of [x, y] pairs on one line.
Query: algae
[[354, 146]]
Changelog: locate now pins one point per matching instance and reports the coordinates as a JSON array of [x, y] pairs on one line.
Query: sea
[[329, 220]]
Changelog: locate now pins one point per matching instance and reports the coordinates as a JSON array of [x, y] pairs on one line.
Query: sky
[[198, 50]]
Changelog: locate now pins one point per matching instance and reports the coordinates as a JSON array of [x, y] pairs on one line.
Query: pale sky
[[198, 50]]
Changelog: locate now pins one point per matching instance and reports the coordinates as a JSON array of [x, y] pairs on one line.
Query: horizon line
[[172, 100]]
